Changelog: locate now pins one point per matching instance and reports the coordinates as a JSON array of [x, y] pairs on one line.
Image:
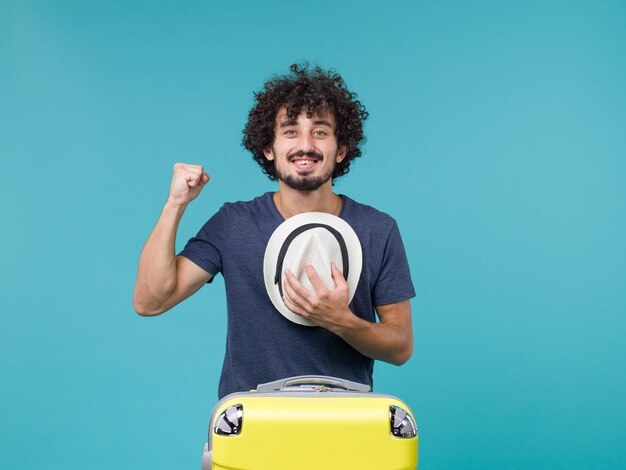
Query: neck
[[291, 202]]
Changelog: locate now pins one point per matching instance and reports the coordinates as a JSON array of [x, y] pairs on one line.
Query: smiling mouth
[[304, 164], [305, 161]]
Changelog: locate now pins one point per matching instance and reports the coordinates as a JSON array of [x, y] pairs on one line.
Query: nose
[[306, 143]]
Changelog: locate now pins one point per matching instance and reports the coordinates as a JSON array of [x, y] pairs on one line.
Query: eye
[[320, 133], [289, 132]]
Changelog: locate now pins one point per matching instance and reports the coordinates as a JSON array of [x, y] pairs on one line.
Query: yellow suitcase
[[311, 423]]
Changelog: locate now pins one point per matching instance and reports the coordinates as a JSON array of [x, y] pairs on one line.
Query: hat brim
[[282, 234]]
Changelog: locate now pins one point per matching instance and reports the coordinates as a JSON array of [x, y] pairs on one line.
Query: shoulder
[[246, 208], [257, 216], [363, 215]]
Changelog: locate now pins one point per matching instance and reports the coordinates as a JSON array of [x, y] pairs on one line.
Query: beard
[[304, 183]]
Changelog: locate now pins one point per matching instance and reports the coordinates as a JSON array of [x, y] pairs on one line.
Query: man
[[304, 130]]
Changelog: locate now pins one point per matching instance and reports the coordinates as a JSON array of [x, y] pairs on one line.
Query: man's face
[[305, 150]]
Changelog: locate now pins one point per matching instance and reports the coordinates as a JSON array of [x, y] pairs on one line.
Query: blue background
[[496, 139]]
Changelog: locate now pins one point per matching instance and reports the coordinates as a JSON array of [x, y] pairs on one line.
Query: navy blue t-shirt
[[261, 344]]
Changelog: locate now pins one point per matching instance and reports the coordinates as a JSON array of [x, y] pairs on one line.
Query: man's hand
[[391, 340], [187, 182], [325, 307]]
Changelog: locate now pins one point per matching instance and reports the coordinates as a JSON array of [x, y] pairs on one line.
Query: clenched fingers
[[187, 182], [192, 174]]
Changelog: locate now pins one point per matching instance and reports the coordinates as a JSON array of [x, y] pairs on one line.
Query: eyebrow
[[322, 122], [288, 123], [317, 122]]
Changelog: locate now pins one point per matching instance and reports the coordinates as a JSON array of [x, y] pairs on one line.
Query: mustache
[[301, 153]]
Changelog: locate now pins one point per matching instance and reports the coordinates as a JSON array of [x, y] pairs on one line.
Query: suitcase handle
[[313, 380]]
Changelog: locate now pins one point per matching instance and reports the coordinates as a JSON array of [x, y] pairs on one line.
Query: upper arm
[[189, 279], [398, 313]]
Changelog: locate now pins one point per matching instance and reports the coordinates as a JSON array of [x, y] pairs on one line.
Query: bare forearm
[[391, 340], [384, 341], [156, 276]]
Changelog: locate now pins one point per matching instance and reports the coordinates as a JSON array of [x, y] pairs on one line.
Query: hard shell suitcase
[[311, 423]]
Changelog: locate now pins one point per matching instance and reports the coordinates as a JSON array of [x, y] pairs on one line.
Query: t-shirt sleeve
[[206, 248], [394, 280]]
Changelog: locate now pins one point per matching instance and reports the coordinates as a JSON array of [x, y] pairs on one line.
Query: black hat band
[[303, 228]]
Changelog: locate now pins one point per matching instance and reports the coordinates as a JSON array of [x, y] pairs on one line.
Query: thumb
[[204, 179]]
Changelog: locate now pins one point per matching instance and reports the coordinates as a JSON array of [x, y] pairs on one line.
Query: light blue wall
[[496, 139]]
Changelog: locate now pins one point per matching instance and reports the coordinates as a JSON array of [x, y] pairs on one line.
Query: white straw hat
[[314, 238]]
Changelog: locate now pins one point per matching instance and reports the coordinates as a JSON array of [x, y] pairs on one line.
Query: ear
[[341, 154], [268, 154]]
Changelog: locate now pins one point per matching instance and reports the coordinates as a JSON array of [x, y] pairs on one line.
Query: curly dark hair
[[317, 92]]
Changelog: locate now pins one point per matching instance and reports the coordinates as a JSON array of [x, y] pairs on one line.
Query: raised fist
[[187, 182]]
